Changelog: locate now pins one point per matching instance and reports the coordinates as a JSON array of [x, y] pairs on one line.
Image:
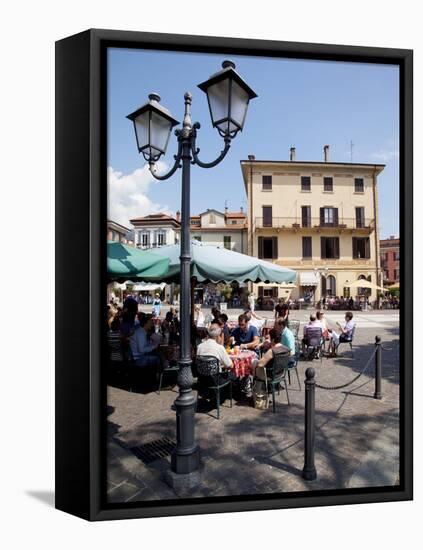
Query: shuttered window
[[329, 217], [307, 252], [361, 247], [266, 183], [329, 247], [306, 216], [267, 216], [359, 185], [359, 216], [305, 183], [327, 184], [268, 248]]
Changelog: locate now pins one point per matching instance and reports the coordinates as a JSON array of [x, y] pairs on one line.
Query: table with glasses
[[243, 363]]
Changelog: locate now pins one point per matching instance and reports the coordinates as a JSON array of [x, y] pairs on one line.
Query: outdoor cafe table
[[243, 363]]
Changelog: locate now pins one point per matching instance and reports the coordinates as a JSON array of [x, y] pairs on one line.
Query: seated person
[[213, 346], [313, 323], [287, 338], [223, 322], [114, 340], [169, 327], [244, 335], [346, 332], [259, 369], [143, 345], [254, 320], [320, 316]]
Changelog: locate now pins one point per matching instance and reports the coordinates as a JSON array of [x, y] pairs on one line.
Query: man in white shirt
[[346, 332], [213, 347]]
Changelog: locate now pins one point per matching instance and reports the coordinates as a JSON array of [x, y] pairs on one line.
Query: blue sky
[[305, 104]]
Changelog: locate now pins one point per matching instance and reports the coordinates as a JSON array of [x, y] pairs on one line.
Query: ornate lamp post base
[[183, 484]]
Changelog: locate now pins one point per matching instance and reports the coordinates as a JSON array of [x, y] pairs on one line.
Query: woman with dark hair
[[223, 322]]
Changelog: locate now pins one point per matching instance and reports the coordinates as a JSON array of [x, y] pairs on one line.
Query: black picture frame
[[81, 267]]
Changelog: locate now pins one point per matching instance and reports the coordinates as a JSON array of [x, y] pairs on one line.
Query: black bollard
[[309, 470], [378, 369]]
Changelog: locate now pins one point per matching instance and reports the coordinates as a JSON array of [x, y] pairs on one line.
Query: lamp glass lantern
[[153, 124], [228, 96]]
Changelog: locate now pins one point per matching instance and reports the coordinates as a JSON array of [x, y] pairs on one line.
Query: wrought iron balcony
[[315, 223]]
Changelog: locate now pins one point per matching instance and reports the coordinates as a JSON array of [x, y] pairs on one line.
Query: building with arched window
[[317, 217]]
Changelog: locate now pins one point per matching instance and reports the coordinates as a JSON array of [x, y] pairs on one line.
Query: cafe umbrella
[[127, 262], [217, 264]]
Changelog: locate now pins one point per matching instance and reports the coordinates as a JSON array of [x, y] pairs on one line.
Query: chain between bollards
[[309, 470], [378, 368]]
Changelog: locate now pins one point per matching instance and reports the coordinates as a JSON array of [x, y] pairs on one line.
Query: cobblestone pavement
[[249, 451]]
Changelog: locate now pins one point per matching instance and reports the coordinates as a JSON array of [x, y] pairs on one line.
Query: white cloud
[[128, 194], [386, 154]]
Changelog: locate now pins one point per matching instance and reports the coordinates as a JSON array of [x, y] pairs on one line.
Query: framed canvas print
[[234, 224]]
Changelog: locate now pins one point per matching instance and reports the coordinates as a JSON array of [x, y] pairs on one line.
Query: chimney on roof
[[241, 210], [226, 209], [326, 153], [292, 154], [391, 237], [251, 157], [178, 216]]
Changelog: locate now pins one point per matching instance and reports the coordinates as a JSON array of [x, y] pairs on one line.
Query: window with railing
[[329, 217], [267, 216], [306, 216], [359, 217]]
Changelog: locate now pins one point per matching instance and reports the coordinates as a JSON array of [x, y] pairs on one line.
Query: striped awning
[[308, 278]]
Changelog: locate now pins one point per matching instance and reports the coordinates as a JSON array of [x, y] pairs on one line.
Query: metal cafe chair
[[348, 341], [276, 373], [294, 326], [314, 342], [293, 366], [210, 378]]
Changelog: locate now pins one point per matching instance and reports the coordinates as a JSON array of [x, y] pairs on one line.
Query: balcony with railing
[[364, 225]]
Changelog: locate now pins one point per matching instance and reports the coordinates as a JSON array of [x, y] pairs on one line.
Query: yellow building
[[319, 218]]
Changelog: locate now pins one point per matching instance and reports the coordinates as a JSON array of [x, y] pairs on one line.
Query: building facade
[[390, 259], [318, 218], [119, 233], [226, 229], [156, 230]]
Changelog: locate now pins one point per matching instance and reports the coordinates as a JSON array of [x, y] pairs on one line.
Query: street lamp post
[[228, 97], [321, 273]]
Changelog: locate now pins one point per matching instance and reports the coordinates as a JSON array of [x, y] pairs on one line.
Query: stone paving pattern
[[249, 451]]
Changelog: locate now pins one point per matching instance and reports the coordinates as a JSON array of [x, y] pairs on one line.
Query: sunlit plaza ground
[[250, 451]]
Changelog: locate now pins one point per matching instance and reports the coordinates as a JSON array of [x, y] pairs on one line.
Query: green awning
[[127, 262], [217, 264]]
